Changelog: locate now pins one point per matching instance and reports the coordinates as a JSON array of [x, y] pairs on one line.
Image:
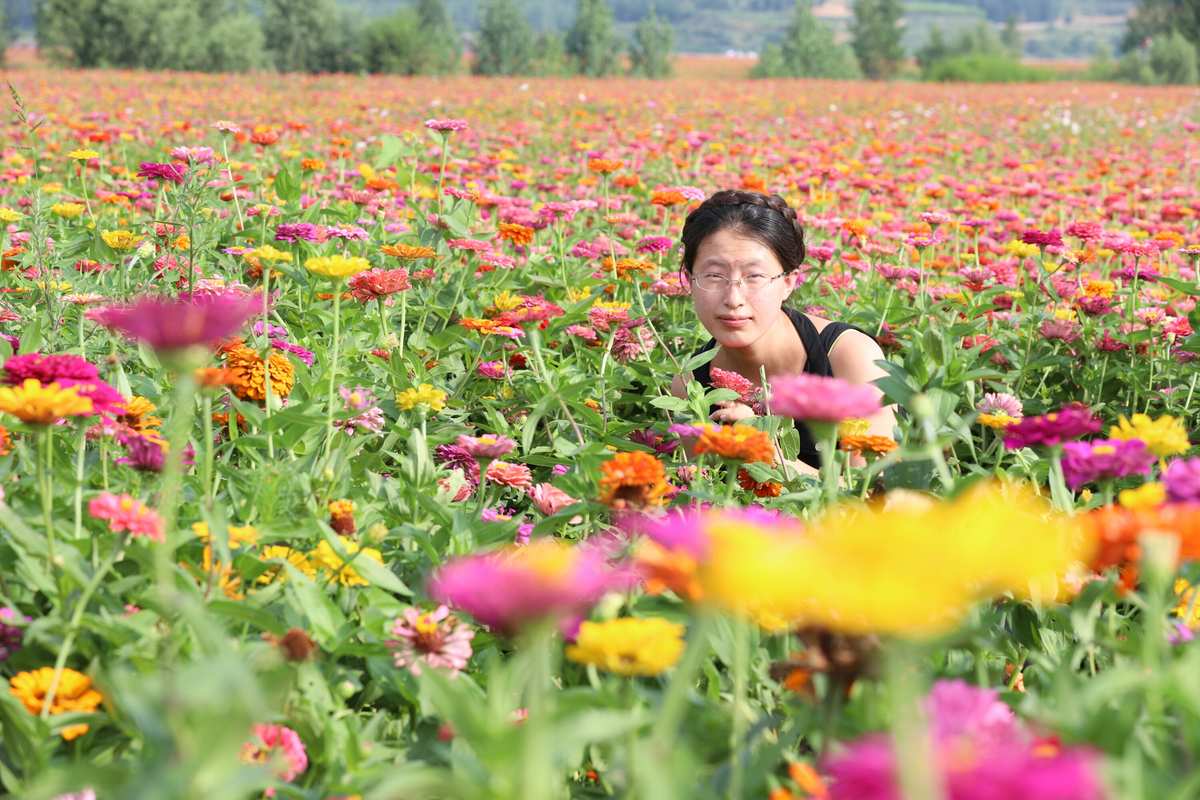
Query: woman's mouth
[[734, 322]]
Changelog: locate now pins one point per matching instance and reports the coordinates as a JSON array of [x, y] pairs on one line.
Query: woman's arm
[[853, 358]]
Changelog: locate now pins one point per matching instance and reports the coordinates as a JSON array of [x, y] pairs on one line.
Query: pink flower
[[277, 745], [492, 369], [746, 390], [510, 588], [517, 476], [1000, 403], [1088, 462], [487, 446], [1182, 480], [432, 637], [446, 125], [124, 513], [175, 324], [549, 499], [1050, 238], [980, 752], [1070, 422], [820, 399], [171, 173]]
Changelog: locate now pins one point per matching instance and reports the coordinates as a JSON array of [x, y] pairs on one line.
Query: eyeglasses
[[716, 282]]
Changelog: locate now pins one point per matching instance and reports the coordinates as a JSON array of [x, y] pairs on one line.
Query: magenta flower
[[297, 232], [446, 125], [817, 398], [488, 446], [167, 324], [451, 456], [277, 745], [495, 370], [1088, 462], [1087, 231], [171, 173], [1070, 422], [11, 635], [1050, 238], [433, 637], [655, 244], [148, 454], [124, 513], [546, 579], [1182, 480], [981, 752]]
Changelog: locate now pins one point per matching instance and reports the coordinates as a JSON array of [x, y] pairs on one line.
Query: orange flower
[[407, 252], [5, 441], [805, 777], [865, 443], [763, 489], [605, 166], [626, 181], [668, 198], [1118, 532], [739, 442], [632, 480], [249, 373], [139, 415], [74, 693], [214, 377], [519, 235], [624, 266]]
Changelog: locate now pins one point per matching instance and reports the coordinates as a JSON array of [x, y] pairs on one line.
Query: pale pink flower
[[507, 474], [549, 499], [486, 446], [434, 637], [278, 745]]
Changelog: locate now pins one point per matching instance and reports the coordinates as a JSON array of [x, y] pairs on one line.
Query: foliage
[[984, 68], [876, 37], [591, 43], [1169, 59], [504, 45], [807, 50], [650, 47]]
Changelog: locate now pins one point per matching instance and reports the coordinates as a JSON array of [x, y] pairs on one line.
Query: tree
[[312, 36], [442, 49], [505, 45], [1173, 59], [394, 44], [806, 51], [1154, 17], [934, 50], [550, 55], [1011, 37], [591, 44], [875, 36], [650, 50]]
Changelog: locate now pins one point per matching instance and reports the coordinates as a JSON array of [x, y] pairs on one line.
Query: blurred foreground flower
[[643, 646], [279, 746], [176, 324]]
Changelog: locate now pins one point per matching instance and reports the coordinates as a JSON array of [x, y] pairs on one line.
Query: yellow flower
[[1094, 287], [629, 646], [269, 253], [1148, 495], [423, 395], [8, 215], [1187, 608], [1021, 250], [507, 301], [83, 155], [121, 239], [40, 405], [998, 421], [327, 558], [74, 694], [67, 210], [284, 553], [238, 534], [341, 508], [1164, 436], [908, 570], [855, 426], [337, 266]]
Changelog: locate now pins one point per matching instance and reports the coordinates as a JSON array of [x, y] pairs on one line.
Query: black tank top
[[816, 347]]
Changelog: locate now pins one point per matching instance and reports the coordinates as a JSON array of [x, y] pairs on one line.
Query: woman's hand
[[730, 412]]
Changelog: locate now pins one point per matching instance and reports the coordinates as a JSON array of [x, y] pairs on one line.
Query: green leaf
[[670, 403], [324, 617], [287, 185], [390, 150]]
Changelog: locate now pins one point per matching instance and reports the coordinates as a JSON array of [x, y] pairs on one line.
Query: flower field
[[339, 457]]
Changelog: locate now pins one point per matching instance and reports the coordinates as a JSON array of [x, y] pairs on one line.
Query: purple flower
[[299, 352], [10, 634], [655, 244], [175, 324], [1182, 480], [1070, 422], [172, 173], [148, 454], [1087, 462], [297, 231], [451, 456], [1050, 238]]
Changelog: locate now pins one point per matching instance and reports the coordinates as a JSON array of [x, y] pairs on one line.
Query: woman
[[742, 252]]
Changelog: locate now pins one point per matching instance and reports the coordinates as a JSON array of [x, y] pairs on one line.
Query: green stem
[[208, 450], [333, 365], [826, 435], [46, 484], [79, 465], [172, 479], [73, 625], [675, 701], [537, 767], [910, 734], [266, 321], [741, 669]]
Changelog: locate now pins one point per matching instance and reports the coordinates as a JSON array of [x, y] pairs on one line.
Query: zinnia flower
[[642, 646], [378, 283], [171, 173], [1164, 436], [124, 513], [33, 403], [487, 446], [73, 695], [507, 589], [343, 570], [446, 125], [1088, 462], [737, 442], [336, 266], [1182, 480], [297, 232], [817, 398], [517, 476], [10, 635], [1070, 422], [980, 751], [247, 373], [280, 746], [425, 396], [632, 480], [175, 324], [433, 637]]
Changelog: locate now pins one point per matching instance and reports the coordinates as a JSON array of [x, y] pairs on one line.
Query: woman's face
[[735, 315]]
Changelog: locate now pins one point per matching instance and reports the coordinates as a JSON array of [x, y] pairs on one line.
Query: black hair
[[767, 219]]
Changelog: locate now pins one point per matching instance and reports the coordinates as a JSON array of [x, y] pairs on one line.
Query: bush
[[1169, 59], [986, 68]]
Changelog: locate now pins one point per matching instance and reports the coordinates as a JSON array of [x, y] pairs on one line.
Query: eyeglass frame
[[695, 280]]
